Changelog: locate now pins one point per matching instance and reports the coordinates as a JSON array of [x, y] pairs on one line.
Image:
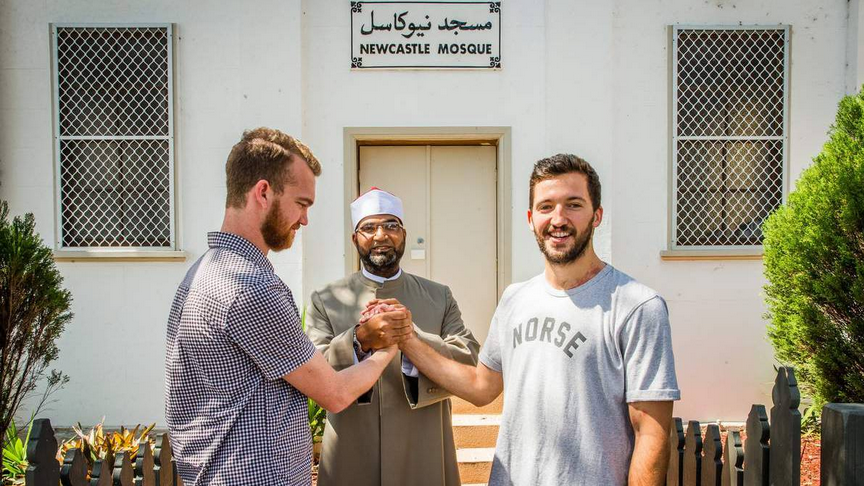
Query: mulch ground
[[811, 450]]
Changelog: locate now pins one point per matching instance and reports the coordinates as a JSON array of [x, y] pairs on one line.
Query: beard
[[277, 233], [569, 254], [381, 262]]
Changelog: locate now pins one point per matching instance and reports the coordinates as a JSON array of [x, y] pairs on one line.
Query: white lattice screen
[[113, 102], [729, 95]]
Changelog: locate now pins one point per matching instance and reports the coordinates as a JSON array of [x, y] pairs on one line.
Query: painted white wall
[[723, 358], [237, 66], [588, 77]]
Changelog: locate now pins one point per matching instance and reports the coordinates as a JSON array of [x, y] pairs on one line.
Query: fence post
[[757, 454], [712, 461], [733, 473], [164, 469], [675, 472], [101, 473], [693, 455], [122, 471], [785, 430], [41, 454], [842, 444], [144, 466], [73, 472]]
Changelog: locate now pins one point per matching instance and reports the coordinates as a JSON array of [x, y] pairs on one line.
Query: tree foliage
[[814, 262], [34, 308]]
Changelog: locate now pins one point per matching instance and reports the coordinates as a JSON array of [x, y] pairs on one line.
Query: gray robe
[[392, 438]]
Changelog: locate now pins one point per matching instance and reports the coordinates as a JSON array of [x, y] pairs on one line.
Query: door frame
[[354, 137]]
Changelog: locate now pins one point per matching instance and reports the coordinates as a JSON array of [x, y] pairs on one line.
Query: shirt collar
[[376, 278], [240, 245]]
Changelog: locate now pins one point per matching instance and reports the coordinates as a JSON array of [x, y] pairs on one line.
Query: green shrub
[[34, 308], [814, 262]]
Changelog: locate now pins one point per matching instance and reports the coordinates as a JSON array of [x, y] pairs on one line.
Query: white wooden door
[[449, 196]]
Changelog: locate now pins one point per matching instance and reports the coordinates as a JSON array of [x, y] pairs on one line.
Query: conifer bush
[[34, 308], [814, 263]]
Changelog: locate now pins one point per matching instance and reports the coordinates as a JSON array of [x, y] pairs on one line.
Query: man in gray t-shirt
[[572, 361], [583, 350]]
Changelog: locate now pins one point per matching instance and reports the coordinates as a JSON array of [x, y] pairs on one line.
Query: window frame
[[673, 250], [72, 253]]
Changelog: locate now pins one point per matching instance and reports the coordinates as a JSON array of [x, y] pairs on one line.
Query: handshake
[[384, 323]]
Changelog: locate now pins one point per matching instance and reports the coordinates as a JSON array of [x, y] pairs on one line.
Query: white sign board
[[426, 35]]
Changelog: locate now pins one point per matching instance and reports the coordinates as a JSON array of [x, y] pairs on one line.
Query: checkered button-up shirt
[[233, 332]]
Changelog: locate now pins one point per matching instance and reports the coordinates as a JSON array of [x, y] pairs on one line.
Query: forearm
[[649, 462], [461, 348], [650, 421], [356, 380], [459, 379]]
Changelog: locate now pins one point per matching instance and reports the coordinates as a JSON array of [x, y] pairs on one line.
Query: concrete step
[[475, 464], [475, 455], [476, 420], [463, 407], [473, 431]]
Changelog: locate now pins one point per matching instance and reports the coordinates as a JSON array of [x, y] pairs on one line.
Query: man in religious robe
[[400, 432]]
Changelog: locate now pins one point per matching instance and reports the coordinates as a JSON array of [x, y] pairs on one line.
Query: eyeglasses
[[389, 227]]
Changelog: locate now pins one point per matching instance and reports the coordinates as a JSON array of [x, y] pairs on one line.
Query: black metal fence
[[771, 453], [150, 467]]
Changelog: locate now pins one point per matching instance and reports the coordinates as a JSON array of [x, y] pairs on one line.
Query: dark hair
[[263, 154], [561, 164]]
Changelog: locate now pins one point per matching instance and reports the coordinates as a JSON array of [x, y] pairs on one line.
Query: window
[[114, 136], [729, 95]]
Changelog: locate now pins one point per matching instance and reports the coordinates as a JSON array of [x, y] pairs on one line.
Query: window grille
[[114, 143], [729, 133]]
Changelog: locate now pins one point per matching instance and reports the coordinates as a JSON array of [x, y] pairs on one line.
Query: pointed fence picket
[[771, 453], [733, 463], [712, 462], [150, 467]]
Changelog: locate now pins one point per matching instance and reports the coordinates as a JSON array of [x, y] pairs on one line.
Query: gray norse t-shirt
[[572, 361]]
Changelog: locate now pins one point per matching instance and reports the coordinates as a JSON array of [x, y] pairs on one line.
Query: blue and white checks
[[233, 332]]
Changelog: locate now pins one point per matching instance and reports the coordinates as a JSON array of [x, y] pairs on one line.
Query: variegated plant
[[97, 444]]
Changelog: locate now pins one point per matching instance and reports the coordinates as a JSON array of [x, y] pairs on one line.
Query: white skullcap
[[373, 202]]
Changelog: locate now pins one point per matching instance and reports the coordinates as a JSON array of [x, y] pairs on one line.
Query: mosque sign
[[426, 35]]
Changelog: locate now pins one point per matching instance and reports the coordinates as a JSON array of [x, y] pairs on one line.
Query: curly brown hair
[[263, 154]]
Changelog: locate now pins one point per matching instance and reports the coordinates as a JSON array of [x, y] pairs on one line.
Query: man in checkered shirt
[[237, 363]]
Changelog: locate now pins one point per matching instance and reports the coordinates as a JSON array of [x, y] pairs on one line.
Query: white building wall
[[237, 66], [723, 358], [586, 77]]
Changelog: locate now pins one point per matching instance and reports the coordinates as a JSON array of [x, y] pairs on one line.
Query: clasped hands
[[384, 323]]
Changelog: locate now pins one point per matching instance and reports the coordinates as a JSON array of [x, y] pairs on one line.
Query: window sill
[[719, 254], [114, 255]]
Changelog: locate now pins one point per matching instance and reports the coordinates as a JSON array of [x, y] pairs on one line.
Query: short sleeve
[[646, 345], [263, 321], [490, 354]]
